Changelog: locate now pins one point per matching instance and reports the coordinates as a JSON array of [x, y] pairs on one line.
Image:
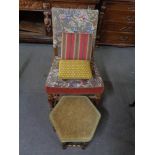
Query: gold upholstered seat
[[75, 119]]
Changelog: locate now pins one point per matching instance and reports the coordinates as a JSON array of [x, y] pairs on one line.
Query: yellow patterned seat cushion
[[75, 69]]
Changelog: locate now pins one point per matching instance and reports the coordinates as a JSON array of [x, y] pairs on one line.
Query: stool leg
[[64, 145], [84, 145], [53, 129]]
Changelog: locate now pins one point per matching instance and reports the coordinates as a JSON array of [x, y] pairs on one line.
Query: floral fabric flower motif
[[73, 20]]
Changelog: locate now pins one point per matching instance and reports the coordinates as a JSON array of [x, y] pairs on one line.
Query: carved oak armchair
[[72, 20]]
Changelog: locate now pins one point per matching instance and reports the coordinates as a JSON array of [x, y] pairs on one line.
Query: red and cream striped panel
[[76, 46]]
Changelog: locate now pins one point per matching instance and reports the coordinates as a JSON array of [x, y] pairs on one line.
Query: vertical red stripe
[[68, 46], [72, 46], [85, 42], [70, 49], [70, 43], [80, 46], [83, 45]]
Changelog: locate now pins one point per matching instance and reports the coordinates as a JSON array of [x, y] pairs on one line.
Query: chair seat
[[56, 85], [75, 119]]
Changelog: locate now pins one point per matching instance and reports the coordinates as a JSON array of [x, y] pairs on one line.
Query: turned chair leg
[[52, 100], [97, 99]]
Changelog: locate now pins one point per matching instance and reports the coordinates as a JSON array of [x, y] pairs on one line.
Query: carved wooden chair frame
[[54, 98]]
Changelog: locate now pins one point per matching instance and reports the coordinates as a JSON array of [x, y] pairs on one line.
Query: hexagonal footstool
[[75, 119]]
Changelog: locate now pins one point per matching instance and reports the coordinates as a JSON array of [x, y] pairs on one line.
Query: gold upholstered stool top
[[75, 119]]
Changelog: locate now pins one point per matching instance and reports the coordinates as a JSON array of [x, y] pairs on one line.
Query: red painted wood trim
[[98, 90]]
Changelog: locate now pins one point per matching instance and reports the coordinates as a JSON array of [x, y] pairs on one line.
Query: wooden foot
[[84, 145], [74, 144], [64, 145]]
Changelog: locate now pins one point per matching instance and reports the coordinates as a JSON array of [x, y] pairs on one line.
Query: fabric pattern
[[73, 20], [74, 69], [76, 46], [53, 81]]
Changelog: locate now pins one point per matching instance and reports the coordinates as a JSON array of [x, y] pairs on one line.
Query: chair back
[[73, 20]]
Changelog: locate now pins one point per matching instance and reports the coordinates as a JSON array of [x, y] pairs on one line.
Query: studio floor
[[115, 133]]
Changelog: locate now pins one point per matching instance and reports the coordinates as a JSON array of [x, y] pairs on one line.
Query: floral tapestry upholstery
[[73, 20], [56, 85]]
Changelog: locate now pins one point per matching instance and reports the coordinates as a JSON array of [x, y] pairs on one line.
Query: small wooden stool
[[75, 119]]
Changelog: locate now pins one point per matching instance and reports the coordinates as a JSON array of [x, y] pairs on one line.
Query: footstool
[[75, 120]]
